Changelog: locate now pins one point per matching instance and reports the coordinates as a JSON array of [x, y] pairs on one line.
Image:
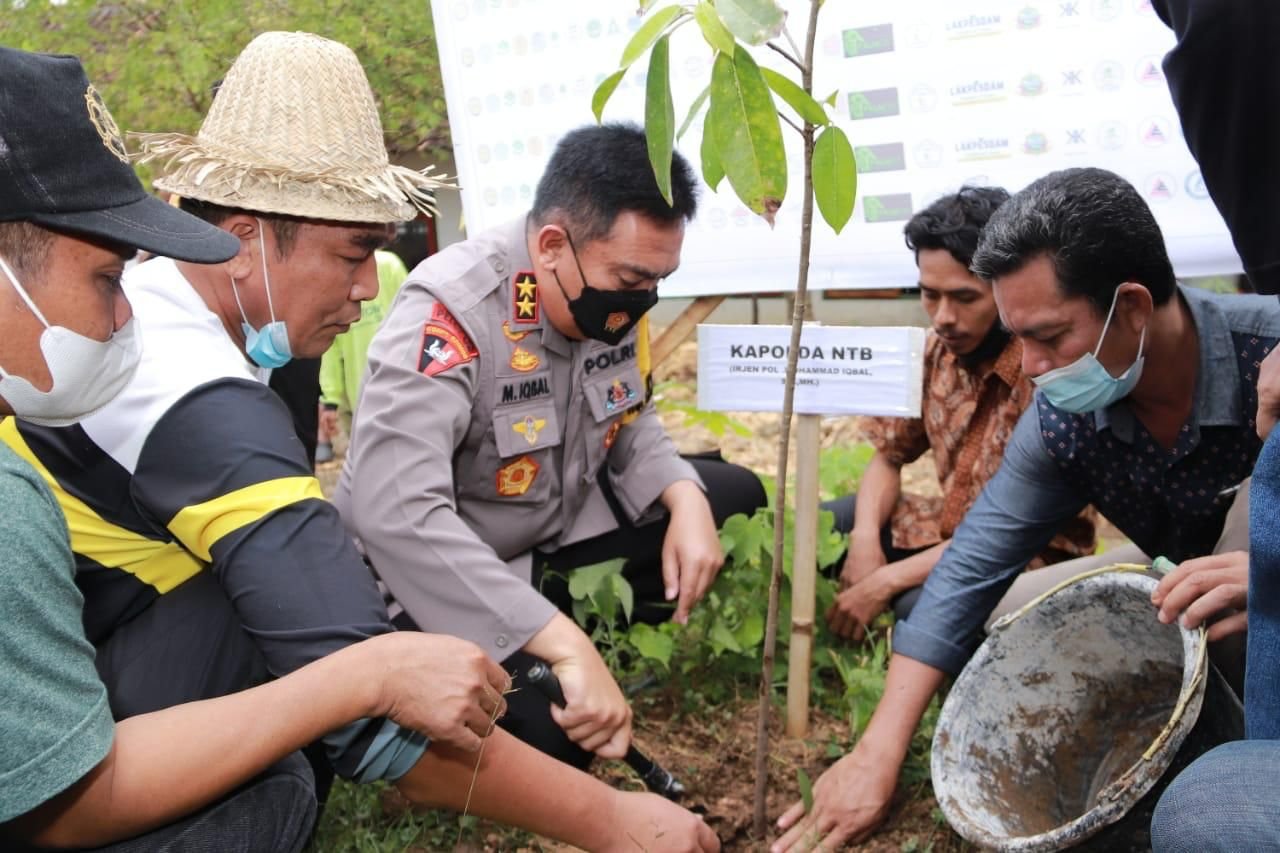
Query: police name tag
[[842, 370]]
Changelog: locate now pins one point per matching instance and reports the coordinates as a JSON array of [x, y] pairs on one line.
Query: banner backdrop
[[933, 94]]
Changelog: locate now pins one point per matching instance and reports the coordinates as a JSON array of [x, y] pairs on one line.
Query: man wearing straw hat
[[208, 558], [1146, 408]]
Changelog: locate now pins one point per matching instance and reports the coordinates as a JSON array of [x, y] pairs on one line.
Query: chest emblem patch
[[529, 428], [619, 394], [516, 478], [514, 337], [524, 361]]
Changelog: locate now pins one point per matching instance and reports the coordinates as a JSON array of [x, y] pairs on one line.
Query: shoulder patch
[[524, 298], [444, 343]]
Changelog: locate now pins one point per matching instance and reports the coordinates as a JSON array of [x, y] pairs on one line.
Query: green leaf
[[712, 169], [806, 788], [693, 111], [752, 21], [713, 29], [722, 639], [835, 177], [652, 643], [830, 100], [587, 580], [625, 594], [660, 115], [743, 124], [751, 631], [645, 6], [605, 91], [648, 33], [800, 100]]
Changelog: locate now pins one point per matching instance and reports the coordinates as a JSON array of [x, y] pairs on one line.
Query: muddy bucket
[[1072, 717]]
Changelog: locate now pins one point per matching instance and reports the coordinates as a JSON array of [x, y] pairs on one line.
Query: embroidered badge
[[619, 394], [524, 361], [616, 321], [514, 337], [524, 298], [612, 435], [529, 428], [106, 126], [444, 343], [516, 478]]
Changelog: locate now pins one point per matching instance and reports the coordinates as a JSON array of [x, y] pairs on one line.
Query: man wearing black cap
[[72, 212]]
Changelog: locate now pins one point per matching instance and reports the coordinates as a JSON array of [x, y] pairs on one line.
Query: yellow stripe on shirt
[[200, 526], [159, 564]]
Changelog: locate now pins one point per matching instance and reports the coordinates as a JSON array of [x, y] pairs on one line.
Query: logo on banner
[[1068, 9], [924, 98], [1106, 10], [1155, 132], [1112, 135], [1194, 185], [971, 26], [1028, 18], [1031, 85], [894, 207], [890, 157], [1075, 141], [1072, 81], [1035, 143], [983, 148], [928, 154], [1148, 72], [873, 103], [865, 41], [1161, 186], [1108, 76], [977, 92]]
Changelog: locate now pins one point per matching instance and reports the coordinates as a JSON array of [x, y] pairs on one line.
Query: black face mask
[[605, 315], [996, 339]]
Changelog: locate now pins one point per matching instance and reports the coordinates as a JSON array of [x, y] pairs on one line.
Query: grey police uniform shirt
[[479, 434]]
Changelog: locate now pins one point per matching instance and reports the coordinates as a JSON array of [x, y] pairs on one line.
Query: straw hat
[[293, 130]]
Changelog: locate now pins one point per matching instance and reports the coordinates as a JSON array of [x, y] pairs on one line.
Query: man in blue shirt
[[1146, 408]]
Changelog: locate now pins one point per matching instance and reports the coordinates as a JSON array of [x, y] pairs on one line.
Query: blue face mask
[[269, 346], [1084, 385]]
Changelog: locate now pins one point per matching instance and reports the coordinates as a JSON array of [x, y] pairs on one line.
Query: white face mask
[[87, 374]]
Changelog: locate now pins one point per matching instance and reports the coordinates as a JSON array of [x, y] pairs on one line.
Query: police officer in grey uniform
[[505, 427]]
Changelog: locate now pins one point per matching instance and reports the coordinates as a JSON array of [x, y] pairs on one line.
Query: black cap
[[63, 165]]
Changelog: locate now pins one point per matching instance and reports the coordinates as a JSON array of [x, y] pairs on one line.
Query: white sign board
[[842, 370], [933, 94]]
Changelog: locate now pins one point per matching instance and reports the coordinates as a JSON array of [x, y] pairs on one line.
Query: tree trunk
[[784, 442]]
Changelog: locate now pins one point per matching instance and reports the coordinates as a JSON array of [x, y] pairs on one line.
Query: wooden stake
[[682, 327], [803, 574]]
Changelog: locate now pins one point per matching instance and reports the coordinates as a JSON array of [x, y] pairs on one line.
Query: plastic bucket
[[1065, 720]]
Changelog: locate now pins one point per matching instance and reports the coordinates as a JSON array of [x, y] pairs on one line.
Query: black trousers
[[731, 489]]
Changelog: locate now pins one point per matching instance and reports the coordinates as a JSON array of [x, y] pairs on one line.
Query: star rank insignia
[[524, 298], [524, 361], [529, 428], [616, 321], [515, 479]]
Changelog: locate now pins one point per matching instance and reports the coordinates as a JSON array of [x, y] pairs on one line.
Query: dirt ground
[[712, 753]]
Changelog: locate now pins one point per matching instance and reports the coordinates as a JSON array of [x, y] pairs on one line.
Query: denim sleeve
[[1016, 515]]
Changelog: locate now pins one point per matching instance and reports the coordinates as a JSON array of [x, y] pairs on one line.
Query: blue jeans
[[1226, 800], [1262, 674]]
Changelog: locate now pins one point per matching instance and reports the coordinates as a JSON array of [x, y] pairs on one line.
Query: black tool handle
[[655, 777]]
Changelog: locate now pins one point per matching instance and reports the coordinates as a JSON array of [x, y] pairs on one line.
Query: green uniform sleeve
[[54, 717]]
